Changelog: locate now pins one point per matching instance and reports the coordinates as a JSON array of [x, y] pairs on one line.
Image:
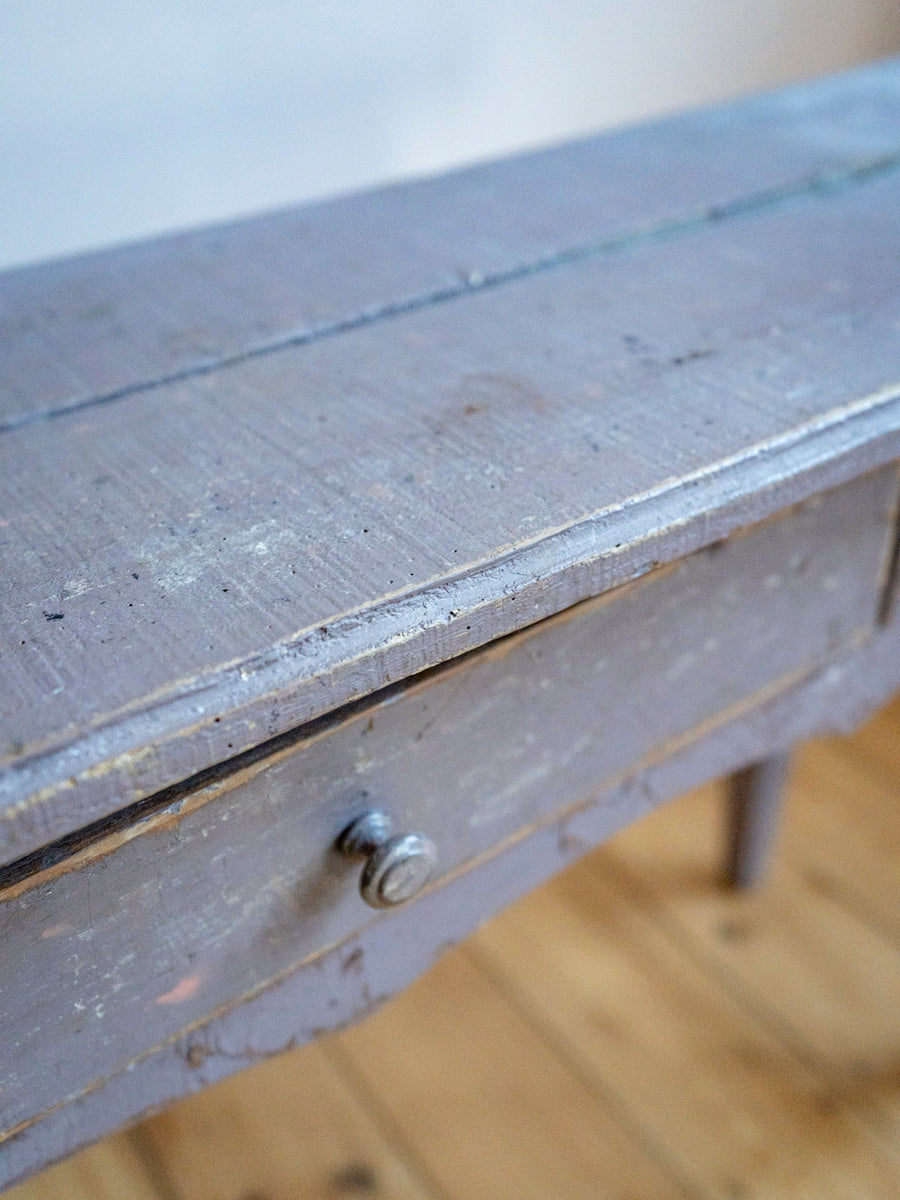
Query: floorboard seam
[[610, 1099], [382, 1117]]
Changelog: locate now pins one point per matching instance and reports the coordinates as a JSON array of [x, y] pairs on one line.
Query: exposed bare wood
[[460, 1048], [731, 1105], [111, 1170], [825, 978], [283, 1135], [880, 743], [831, 807]]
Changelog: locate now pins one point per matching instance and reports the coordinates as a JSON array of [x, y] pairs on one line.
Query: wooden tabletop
[[253, 473]]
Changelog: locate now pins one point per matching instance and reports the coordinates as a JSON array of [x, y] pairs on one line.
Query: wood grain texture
[[864, 876], [845, 1019], [109, 1171], [267, 541], [307, 1137], [882, 747], [107, 323], [730, 1106], [542, 1132]]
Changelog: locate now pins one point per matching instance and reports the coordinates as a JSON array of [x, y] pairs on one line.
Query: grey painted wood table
[[508, 504]]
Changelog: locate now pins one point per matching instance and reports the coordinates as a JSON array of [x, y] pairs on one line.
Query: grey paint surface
[[130, 120], [90, 326], [154, 930], [237, 553], [349, 980], [201, 565]]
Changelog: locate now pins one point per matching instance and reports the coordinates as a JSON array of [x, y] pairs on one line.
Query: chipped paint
[[185, 989], [53, 931], [480, 596]]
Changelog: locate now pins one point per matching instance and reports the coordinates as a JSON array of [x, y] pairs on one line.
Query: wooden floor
[[630, 1030]]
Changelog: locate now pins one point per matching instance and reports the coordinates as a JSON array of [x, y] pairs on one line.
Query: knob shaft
[[396, 868]]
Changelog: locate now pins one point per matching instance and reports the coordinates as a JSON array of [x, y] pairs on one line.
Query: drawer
[[151, 930]]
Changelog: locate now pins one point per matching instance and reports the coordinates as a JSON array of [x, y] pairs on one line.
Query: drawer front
[[149, 932]]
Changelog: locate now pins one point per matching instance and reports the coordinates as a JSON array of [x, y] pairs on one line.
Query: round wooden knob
[[396, 868]]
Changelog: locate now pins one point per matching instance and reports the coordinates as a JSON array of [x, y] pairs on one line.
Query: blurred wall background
[[120, 120]]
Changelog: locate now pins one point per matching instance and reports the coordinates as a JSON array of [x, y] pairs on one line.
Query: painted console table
[[496, 509]]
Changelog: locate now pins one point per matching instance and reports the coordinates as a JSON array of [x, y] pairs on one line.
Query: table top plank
[[91, 328], [205, 563]]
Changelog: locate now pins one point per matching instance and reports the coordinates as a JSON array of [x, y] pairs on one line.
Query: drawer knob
[[396, 867]]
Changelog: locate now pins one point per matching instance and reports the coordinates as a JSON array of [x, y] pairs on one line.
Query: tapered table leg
[[754, 802]]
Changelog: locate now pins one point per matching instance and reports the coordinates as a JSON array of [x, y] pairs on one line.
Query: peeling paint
[[186, 989], [55, 930]]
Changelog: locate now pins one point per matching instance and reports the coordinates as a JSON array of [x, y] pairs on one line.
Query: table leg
[[754, 802]]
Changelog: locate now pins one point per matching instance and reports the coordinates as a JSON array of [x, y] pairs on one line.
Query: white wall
[[119, 120]]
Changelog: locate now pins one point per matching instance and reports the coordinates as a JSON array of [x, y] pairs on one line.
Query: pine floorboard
[[631, 1030]]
